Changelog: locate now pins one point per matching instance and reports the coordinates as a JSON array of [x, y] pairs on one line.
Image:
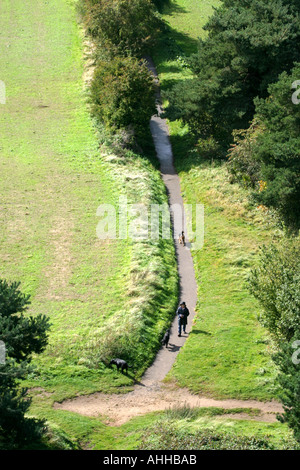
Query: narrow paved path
[[150, 394], [187, 281]]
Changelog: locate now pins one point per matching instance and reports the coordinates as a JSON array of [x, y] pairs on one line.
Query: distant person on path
[[182, 314], [182, 239]]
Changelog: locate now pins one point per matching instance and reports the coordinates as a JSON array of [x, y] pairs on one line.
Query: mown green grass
[[53, 180], [227, 353], [184, 20], [54, 177]]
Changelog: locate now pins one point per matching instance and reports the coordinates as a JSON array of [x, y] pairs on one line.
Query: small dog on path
[[120, 363], [182, 239], [165, 340]]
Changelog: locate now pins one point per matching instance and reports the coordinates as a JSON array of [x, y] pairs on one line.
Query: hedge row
[[122, 88]]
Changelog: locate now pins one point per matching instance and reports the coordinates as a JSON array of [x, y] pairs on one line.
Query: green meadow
[[53, 180], [54, 176], [56, 169]]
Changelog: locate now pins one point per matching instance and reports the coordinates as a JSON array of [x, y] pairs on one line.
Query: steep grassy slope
[[53, 179]]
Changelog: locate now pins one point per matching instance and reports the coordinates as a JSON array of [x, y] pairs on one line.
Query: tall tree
[[277, 149], [268, 154], [249, 43], [275, 282], [22, 336], [288, 362]]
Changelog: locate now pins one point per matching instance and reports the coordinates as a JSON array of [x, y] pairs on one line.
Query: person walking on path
[[182, 314]]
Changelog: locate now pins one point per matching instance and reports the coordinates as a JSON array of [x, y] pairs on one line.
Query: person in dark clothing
[[182, 314]]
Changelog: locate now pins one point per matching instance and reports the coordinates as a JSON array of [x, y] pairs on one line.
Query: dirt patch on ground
[[118, 409]]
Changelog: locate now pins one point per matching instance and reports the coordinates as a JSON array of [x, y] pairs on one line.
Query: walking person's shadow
[[173, 347]]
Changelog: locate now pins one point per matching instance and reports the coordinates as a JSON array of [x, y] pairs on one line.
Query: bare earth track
[[151, 394]]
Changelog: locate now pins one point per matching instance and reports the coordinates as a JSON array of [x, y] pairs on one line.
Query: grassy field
[[227, 354], [185, 20], [54, 180], [54, 177]]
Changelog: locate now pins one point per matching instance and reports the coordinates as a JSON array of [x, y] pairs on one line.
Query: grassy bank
[[58, 169]]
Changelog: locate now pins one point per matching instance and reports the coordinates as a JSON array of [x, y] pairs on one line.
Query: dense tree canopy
[[278, 148], [122, 89], [275, 282], [267, 154], [288, 362], [249, 44]]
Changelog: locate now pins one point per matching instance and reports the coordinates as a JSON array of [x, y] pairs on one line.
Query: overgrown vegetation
[[165, 437], [169, 434], [276, 283], [121, 27], [122, 95], [266, 158], [122, 89]]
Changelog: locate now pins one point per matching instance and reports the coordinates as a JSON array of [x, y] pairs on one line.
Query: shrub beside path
[[151, 394]]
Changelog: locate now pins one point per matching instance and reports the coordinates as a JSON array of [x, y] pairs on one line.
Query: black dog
[[165, 340], [120, 363]]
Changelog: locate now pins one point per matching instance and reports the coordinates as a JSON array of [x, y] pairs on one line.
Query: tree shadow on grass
[[170, 6], [187, 158], [173, 44]]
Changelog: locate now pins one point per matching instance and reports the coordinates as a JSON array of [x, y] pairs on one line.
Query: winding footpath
[[151, 394], [187, 281]]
